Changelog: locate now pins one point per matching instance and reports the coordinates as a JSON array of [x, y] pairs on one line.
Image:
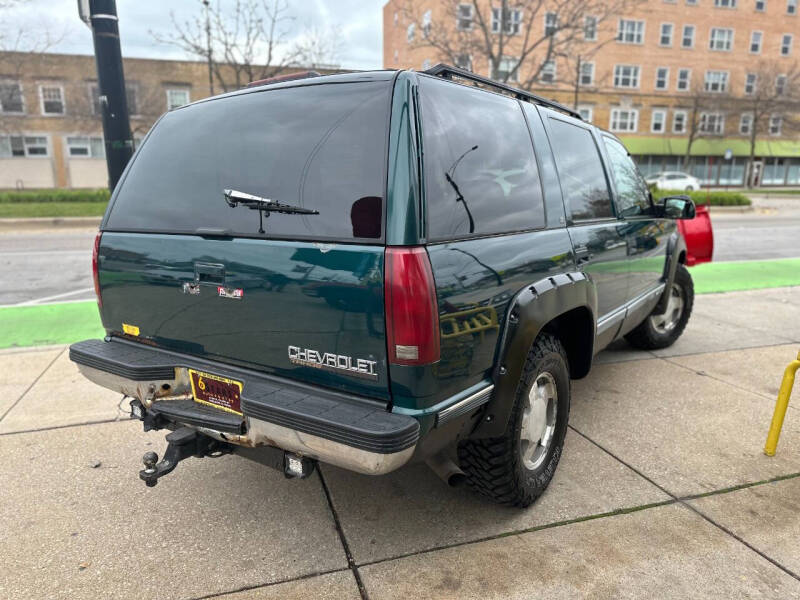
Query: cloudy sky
[[360, 23]]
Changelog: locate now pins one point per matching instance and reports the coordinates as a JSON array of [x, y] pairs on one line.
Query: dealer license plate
[[216, 391]]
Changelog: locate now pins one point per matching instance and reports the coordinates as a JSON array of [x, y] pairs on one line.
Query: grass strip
[[49, 324], [19, 210]]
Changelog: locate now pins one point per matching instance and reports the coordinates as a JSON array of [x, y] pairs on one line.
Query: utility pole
[[208, 50], [101, 17]]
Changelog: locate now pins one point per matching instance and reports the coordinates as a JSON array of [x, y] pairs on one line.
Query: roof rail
[[282, 78], [448, 72]]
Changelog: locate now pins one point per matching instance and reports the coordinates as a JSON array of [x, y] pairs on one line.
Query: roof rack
[[283, 78], [448, 72]]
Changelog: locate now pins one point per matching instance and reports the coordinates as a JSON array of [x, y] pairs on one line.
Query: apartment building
[[651, 75], [51, 133]]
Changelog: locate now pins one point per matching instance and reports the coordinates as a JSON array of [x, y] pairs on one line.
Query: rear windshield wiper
[[264, 206]]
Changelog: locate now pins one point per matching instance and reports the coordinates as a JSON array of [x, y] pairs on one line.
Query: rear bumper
[[347, 431]]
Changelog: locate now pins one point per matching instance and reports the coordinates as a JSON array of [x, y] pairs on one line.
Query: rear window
[[480, 171], [321, 147]]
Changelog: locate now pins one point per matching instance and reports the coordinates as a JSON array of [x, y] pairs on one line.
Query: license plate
[[216, 391]]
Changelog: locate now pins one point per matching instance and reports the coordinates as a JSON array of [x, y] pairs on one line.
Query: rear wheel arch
[[575, 330]]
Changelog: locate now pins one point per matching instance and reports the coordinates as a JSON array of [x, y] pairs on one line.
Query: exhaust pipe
[[446, 469]]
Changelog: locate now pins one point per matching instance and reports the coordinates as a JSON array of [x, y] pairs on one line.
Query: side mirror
[[678, 207]]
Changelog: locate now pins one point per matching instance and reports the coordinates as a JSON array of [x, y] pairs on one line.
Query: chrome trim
[[611, 319], [622, 312], [263, 433], [104, 16], [464, 406]]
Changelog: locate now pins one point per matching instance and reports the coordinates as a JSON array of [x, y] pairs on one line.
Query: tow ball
[[183, 443]]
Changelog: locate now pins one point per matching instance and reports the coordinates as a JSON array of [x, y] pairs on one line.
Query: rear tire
[[661, 331], [515, 468]]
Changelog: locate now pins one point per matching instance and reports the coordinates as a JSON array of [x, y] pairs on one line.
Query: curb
[[49, 222], [731, 209]]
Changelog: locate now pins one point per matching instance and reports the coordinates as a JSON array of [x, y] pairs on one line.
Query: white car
[[674, 180]]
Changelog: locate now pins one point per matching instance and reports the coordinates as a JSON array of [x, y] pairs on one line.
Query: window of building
[[658, 121], [590, 29], [780, 85], [487, 189], [85, 146], [548, 72], [52, 97], [761, 5], [624, 119], [11, 100], [507, 69], [464, 21], [131, 92], [725, 3], [755, 42], [712, 123], [583, 179], [716, 81], [786, 44], [746, 124], [721, 39], [20, 146], [666, 34], [750, 81], [512, 19], [587, 73], [691, 2], [662, 78], [176, 98], [791, 7], [775, 124], [586, 112], [687, 39], [411, 32], [426, 23], [550, 23], [684, 78], [626, 76], [679, 121], [630, 31], [464, 61], [632, 194]]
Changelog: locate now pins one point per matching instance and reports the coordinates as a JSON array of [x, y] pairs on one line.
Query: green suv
[[371, 269]]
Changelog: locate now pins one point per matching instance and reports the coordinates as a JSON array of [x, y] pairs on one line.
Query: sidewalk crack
[[35, 381]]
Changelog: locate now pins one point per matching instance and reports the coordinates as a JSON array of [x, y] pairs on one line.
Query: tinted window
[[320, 147], [580, 170], [632, 195], [480, 170]]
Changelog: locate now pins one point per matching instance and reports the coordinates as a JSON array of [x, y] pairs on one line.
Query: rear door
[[181, 269], [595, 229]]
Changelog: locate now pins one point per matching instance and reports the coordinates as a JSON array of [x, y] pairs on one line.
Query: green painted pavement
[[70, 322], [49, 324]]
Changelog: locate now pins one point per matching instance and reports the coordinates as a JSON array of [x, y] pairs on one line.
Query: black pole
[[111, 83]]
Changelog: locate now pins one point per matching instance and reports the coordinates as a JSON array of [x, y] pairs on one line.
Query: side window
[[580, 169], [480, 171], [632, 197]]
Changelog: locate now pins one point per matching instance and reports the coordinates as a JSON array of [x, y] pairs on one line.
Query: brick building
[[653, 64], [51, 132]]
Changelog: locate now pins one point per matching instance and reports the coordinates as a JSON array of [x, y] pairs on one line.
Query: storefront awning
[[709, 147]]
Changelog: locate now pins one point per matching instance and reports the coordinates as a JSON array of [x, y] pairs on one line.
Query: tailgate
[[304, 311]]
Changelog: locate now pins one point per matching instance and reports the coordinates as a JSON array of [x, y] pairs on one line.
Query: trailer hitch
[[183, 443]]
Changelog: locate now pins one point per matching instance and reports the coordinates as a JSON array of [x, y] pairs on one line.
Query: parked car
[[327, 291], [674, 180]]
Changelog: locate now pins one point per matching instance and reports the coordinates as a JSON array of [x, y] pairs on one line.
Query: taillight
[[95, 270], [412, 318]]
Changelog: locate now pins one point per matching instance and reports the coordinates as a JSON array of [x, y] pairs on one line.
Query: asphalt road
[[38, 267]]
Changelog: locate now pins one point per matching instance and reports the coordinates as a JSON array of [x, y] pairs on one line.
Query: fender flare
[[535, 308], [675, 247]]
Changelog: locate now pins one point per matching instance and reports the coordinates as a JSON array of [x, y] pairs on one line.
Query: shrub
[[707, 197], [54, 195]]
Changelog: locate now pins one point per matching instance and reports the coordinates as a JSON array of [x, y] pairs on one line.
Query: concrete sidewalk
[[663, 492]]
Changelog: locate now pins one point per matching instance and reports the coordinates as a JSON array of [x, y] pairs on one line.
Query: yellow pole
[[780, 407]]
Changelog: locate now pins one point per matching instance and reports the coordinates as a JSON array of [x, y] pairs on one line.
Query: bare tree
[[772, 102], [699, 102], [519, 40], [246, 43]]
